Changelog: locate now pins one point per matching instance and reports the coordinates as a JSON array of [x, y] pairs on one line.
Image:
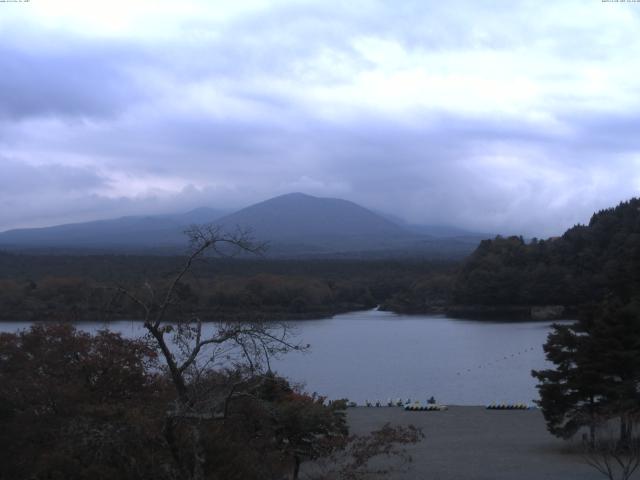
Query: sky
[[495, 116]]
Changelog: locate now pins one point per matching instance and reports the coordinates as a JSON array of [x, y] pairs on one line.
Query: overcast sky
[[511, 117]]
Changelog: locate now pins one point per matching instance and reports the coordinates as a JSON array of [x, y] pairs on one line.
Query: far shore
[[473, 443], [507, 314]]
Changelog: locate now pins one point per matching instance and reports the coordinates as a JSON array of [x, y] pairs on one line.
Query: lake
[[374, 355]]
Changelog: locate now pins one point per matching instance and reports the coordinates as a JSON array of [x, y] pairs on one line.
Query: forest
[[67, 287], [584, 265]]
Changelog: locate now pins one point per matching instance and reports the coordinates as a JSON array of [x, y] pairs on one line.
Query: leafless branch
[[609, 456]]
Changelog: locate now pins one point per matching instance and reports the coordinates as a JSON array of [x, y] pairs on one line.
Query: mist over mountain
[[151, 231], [294, 224], [446, 231]]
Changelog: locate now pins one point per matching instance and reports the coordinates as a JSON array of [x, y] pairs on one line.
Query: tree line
[[81, 288], [586, 263]]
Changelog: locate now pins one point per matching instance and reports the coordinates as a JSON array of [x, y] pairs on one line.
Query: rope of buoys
[[509, 406], [497, 361]]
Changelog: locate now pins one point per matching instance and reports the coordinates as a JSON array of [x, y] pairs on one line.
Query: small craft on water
[[509, 406], [418, 407]]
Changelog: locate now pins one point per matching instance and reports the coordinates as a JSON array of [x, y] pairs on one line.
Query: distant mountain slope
[[299, 217], [446, 231], [133, 231], [294, 225]]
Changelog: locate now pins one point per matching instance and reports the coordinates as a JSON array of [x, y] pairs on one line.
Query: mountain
[[152, 231], [300, 224], [294, 225], [297, 224], [296, 216]]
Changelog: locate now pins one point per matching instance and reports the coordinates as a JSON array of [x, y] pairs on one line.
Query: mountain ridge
[[295, 224], [286, 216]]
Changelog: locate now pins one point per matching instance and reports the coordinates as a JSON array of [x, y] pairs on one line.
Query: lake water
[[373, 355]]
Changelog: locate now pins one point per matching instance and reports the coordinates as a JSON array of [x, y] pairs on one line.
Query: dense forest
[[67, 287], [584, 265]]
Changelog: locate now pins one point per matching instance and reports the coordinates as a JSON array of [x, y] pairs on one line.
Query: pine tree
[[615, 343], [569, 394], [596, 374]]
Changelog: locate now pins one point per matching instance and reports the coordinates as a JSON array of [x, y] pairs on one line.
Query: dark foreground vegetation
[[76, 406], [594, 387], [184, 403]]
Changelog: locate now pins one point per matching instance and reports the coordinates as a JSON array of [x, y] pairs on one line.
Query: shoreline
[[317, 315]]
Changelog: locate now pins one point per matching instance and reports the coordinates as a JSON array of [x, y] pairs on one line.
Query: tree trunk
[[169, 435], [625, 431], [592, 423], [296, 467], [198, 453], [176, 375]]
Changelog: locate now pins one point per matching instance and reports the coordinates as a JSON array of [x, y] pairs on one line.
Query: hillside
[[584, 265]]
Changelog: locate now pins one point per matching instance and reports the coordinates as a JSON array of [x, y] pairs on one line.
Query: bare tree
[[190, 347], [613, 458], [354, 460]]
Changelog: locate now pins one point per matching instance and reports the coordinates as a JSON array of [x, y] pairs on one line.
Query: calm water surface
[[379, 355]]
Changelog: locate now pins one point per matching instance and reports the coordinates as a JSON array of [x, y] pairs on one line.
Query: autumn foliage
[[77, 406]]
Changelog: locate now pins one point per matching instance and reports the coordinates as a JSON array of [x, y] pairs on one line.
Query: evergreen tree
[[597, 371], [569, 394], [615, 344]]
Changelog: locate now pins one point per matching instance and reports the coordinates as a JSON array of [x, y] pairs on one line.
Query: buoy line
[[496, 361]]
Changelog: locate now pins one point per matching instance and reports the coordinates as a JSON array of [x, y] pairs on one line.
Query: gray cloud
[[23, 179], [39, 191], [440, 113], [60, 75]]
